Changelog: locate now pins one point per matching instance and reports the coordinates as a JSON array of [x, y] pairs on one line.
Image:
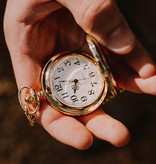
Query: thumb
[[103, 20]]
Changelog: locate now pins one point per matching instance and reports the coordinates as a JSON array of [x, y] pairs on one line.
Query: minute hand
[[84, 78], [64, 81]]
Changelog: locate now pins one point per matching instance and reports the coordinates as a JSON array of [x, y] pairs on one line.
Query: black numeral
[[92, 74], [60, 69], [67, 63], [86, 67], [74, 98], [56, 78], [65, 95], [93, 84], [58, 88], [77, 62], [83, 98], [91, 92]]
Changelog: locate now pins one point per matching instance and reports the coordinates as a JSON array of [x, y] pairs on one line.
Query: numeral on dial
[[58, 88], [60, 69], [67, 63], [56, 78], [65, 95], [74, 98], [92, 74], [83, 98], [77, 62], [93, 84], [91, 92], [86, 66]]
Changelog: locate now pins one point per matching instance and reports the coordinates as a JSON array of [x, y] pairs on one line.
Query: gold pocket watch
[[74, 83]]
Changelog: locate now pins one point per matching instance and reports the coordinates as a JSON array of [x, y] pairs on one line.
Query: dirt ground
[[22, 144]]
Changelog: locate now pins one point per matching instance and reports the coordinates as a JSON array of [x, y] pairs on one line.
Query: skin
[[37, 29]]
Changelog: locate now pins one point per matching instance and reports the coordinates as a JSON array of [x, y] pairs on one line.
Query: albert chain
[[31, 99]]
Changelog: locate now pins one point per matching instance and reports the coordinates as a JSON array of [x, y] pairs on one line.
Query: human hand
[[35, 30]]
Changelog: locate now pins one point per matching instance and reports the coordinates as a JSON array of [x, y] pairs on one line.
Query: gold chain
[[32, 97]]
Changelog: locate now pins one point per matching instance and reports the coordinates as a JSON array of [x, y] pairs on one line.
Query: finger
[[106, 128], [23, 32], [130, 80], [140, 61], [103, 20], [147, 85], [64, 128], [30, 11]]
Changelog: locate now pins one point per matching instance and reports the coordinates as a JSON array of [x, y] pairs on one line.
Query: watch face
[[75, 81]]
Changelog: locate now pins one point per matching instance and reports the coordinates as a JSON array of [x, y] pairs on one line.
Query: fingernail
[[147, 71], [121, 40]]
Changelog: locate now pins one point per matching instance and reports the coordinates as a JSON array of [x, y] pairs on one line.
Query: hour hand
[[75, 87], [64, 81]]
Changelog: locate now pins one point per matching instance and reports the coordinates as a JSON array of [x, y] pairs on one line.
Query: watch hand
[[63, 81], [85, 78], [75, 87]]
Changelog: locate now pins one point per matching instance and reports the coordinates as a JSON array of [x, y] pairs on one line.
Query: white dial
[[76, 81]]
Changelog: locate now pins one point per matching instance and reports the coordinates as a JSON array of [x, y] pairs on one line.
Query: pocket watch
[[74, 83]]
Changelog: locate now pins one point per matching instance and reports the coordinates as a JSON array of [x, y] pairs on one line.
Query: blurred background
[[22, 144]]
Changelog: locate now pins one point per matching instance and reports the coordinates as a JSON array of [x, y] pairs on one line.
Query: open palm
[[38, 30]]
